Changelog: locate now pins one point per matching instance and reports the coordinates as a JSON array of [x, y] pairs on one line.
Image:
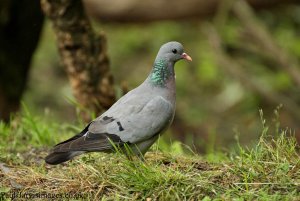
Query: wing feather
[[137, 122], [98, 142]]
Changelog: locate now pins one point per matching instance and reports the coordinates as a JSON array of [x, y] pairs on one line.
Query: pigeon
[[136, 120]]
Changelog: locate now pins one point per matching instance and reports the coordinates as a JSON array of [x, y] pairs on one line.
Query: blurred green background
[[215, 101]]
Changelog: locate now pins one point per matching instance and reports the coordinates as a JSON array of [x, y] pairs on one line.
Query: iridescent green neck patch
[[160, 73]]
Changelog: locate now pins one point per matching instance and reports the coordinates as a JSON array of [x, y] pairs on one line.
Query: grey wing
[[137, 124]]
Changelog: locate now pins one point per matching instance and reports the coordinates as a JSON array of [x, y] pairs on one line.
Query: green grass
[[267, 171]]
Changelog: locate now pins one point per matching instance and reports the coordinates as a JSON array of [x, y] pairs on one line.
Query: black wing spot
[[107, 119], [120, 126]]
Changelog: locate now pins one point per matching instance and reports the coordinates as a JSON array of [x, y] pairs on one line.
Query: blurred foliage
[[212, 104]]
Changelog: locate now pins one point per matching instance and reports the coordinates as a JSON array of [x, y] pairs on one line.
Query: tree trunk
[[83, 54], [20, 26]]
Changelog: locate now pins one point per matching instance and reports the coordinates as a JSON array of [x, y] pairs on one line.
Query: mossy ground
[[268, 171]]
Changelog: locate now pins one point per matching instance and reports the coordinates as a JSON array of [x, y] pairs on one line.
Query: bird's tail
[[60, 157]]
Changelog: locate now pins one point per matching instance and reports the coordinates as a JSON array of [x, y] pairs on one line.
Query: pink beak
[[186, 57]]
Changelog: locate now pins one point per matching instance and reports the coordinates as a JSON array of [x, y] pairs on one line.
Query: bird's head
[[172, 52], [163, 67]]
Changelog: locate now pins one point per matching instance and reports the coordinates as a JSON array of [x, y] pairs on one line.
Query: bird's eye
[[174, 51]]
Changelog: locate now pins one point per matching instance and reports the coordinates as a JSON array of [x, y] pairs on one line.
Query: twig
[[6, 171], [128, 11], [233, 69], [266, 183], [263, 38]]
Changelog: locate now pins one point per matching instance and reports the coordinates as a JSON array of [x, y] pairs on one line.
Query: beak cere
[[186, 57]]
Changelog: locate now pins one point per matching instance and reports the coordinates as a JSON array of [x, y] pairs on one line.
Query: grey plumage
[[136, 119]]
